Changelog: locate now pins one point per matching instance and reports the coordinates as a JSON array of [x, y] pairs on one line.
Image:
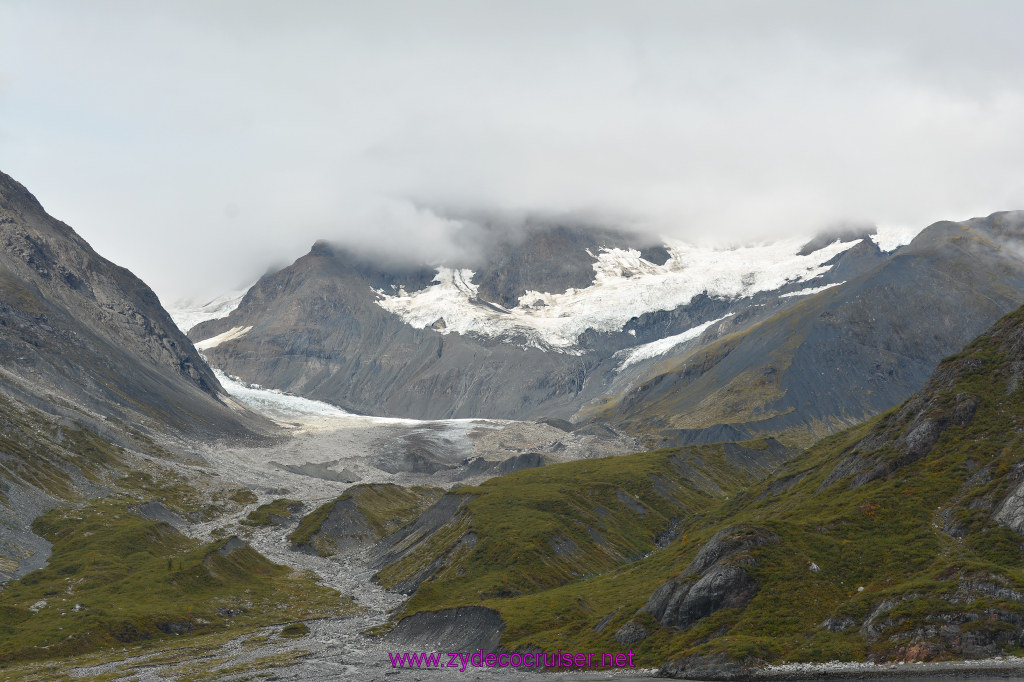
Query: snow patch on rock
[[653, 349], [233, 333], [891, 237], [808, 292]]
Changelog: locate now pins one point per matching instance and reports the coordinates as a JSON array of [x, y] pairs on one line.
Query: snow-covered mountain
[[838, 356], [571, 322]]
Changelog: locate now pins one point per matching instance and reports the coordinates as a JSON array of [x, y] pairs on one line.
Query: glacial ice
[[625, 286]]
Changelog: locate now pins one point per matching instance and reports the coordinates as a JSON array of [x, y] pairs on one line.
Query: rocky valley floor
[[322, 452]]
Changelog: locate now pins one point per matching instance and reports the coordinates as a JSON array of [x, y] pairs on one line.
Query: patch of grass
[[293, 630], [380, 508], [174, 491], [52, 458], [310, 524], [281, 508], [114, 578], [243, 497], [438, 546]]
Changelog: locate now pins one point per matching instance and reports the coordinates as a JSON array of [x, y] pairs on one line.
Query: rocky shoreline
[[717, 669]]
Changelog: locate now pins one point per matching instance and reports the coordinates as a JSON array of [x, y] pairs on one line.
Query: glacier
[[625, 286], [188, 313]]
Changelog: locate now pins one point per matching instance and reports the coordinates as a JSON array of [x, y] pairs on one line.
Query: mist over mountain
[[687, 330], [563, 347], [695, 344], [356, 123]]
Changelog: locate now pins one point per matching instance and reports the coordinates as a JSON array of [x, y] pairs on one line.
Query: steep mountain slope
[[897, 540], [76, 327], [315, 329], [101, 400], [840, 356], [91, 370], [534, 331]]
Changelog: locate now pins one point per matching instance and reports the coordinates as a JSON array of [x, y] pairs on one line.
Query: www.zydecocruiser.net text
[[463, 660]]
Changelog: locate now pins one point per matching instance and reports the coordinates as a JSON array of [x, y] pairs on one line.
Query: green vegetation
[[115, 578], [282, 508], [243, 497], [293, 630], [541, 528], [445, 549], [692, 392], [374, 510], [176, 492], [50, 457], [899, 524]]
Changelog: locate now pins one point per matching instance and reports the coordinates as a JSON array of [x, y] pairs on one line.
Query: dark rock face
[[727, 542], [233, 543], [527, 460], [154, 511], [683, 604], [716, 579], [346, 529], [467, 628], [657, 254], [630, 633], [74, 324], [956, 631], [711, 667], [844, 233]]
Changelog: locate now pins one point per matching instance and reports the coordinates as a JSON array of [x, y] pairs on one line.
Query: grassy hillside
[[537, 529], [115, 578], [361, 515], [898, 539]]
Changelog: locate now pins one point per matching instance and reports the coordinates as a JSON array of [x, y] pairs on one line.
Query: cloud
[[196, 142]]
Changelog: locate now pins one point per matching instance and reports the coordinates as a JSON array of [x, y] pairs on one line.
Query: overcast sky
[[196, 143]]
